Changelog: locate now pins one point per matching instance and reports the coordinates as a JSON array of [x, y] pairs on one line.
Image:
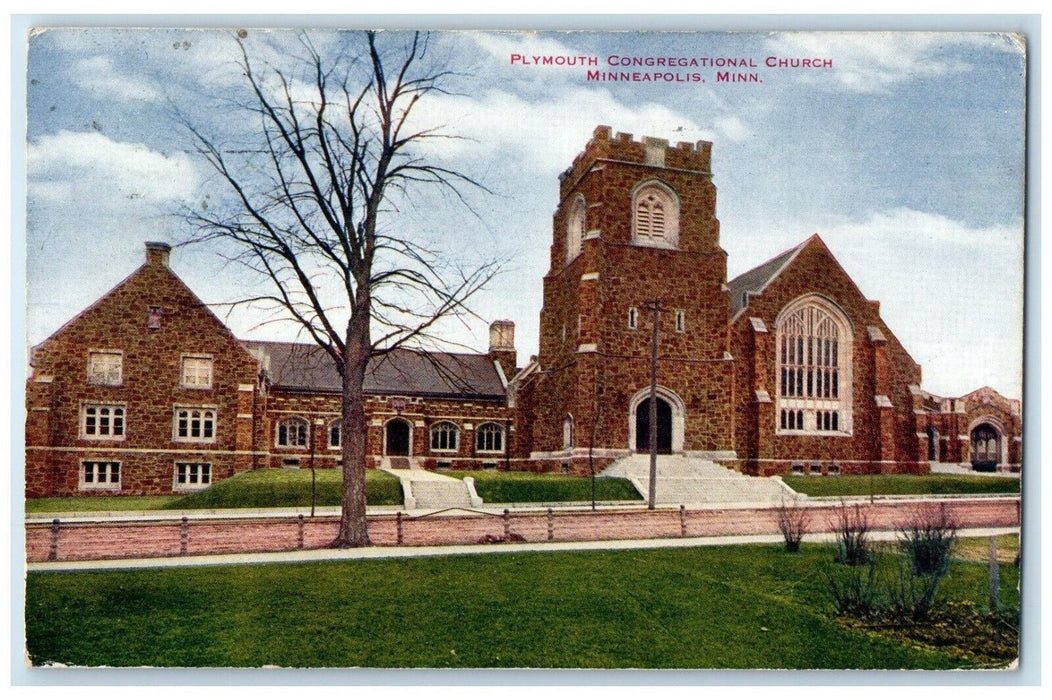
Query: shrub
[[927, 538], [793, 519], [851, 529], [854, 590]]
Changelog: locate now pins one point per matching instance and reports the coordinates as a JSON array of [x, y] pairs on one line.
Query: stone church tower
[[636, 222]]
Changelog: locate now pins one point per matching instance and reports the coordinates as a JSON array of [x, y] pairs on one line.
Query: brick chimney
[[502, 346], [157, 253]]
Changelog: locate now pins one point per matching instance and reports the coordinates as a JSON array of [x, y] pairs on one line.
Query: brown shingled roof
[[403, 372]]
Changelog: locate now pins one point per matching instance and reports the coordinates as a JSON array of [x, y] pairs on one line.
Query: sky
[[906, 156]]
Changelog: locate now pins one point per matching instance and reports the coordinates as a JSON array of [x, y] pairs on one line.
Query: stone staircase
[[693, 480], [436, 495], [426, 490]]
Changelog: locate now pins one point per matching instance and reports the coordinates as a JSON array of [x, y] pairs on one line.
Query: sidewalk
[[322, 555]]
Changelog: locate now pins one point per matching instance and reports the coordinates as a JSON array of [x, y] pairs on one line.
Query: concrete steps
[[441, 494], [692, 480]]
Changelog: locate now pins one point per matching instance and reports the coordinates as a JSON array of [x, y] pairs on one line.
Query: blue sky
[[906, 157]]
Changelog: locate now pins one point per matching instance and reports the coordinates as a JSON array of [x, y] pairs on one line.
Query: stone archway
[[987, 447], [670, 423], [397, 438]]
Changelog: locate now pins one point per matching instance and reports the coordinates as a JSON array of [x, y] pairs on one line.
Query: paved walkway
[[316, 555], [164, 538]]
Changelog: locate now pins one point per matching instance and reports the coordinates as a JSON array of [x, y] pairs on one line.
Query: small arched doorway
[[396, 438], [933, 445], [986, 447], [663, 434]]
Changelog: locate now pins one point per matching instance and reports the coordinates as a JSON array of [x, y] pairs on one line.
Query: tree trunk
[[354, 528]]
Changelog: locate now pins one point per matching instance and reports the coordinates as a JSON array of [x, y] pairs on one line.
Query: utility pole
[[652, 491]]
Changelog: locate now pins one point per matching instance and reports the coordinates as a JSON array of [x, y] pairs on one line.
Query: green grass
[[530, 487], [901, 484], [263, 488], [718, 607]]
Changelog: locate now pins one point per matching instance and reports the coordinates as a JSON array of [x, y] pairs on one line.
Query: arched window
[[575, 229], [334, 435], [655, 216], [292, 432], [489, 438], [814, 368], [568, 436], [445, 437]]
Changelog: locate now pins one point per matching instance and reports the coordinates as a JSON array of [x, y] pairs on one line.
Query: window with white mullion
[[810, 343]]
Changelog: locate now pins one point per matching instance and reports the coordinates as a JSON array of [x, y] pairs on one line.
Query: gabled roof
[[756, 279], [401, 372], [152, 276]]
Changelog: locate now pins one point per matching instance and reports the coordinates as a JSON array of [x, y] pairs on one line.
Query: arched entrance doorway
[[396, 438], [663, 434], [986, 447]]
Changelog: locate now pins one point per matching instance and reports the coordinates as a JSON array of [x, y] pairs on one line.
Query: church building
[[786, 368]]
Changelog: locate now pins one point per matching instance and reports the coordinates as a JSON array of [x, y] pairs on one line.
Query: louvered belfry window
[[814, 388], [655, 217]]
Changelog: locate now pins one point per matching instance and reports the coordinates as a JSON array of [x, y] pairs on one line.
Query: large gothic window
[[655, 216], [575, 229], [814, 369]]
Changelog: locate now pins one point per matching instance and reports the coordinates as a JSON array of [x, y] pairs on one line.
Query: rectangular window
[[190, 476], [194, 424], [100, 476], [105, 367], [102, 421], [681, 321], [197, 372], [633, 318]]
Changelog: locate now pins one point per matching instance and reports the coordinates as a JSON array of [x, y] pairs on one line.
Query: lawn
[[262, 488], [530, 487], [717, 607], [901, 484]]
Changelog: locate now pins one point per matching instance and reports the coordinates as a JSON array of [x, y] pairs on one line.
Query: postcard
[[503, 349]]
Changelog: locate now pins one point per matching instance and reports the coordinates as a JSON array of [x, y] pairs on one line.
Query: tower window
[[655, 216], [575, 229], [681, 321], [633, 317]]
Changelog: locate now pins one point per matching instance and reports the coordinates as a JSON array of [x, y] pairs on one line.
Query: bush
[[793, 519], [851, 529], [928, 538], [854, 590]]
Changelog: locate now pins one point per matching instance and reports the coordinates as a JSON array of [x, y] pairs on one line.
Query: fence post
[[399, 520], [682, 520], [995, 577], [507, 524], [184, 535], [52, 554], [299, 536], [551, 525]]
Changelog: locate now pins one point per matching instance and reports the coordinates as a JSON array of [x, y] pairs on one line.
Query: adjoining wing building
[[786, 368]]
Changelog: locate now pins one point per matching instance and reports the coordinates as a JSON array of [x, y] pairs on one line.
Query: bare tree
[[309, 207]]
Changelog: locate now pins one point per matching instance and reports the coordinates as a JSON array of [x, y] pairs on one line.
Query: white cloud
[[546, 133], [99, 76], [872, 61], [502, 46], [97, 168]]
